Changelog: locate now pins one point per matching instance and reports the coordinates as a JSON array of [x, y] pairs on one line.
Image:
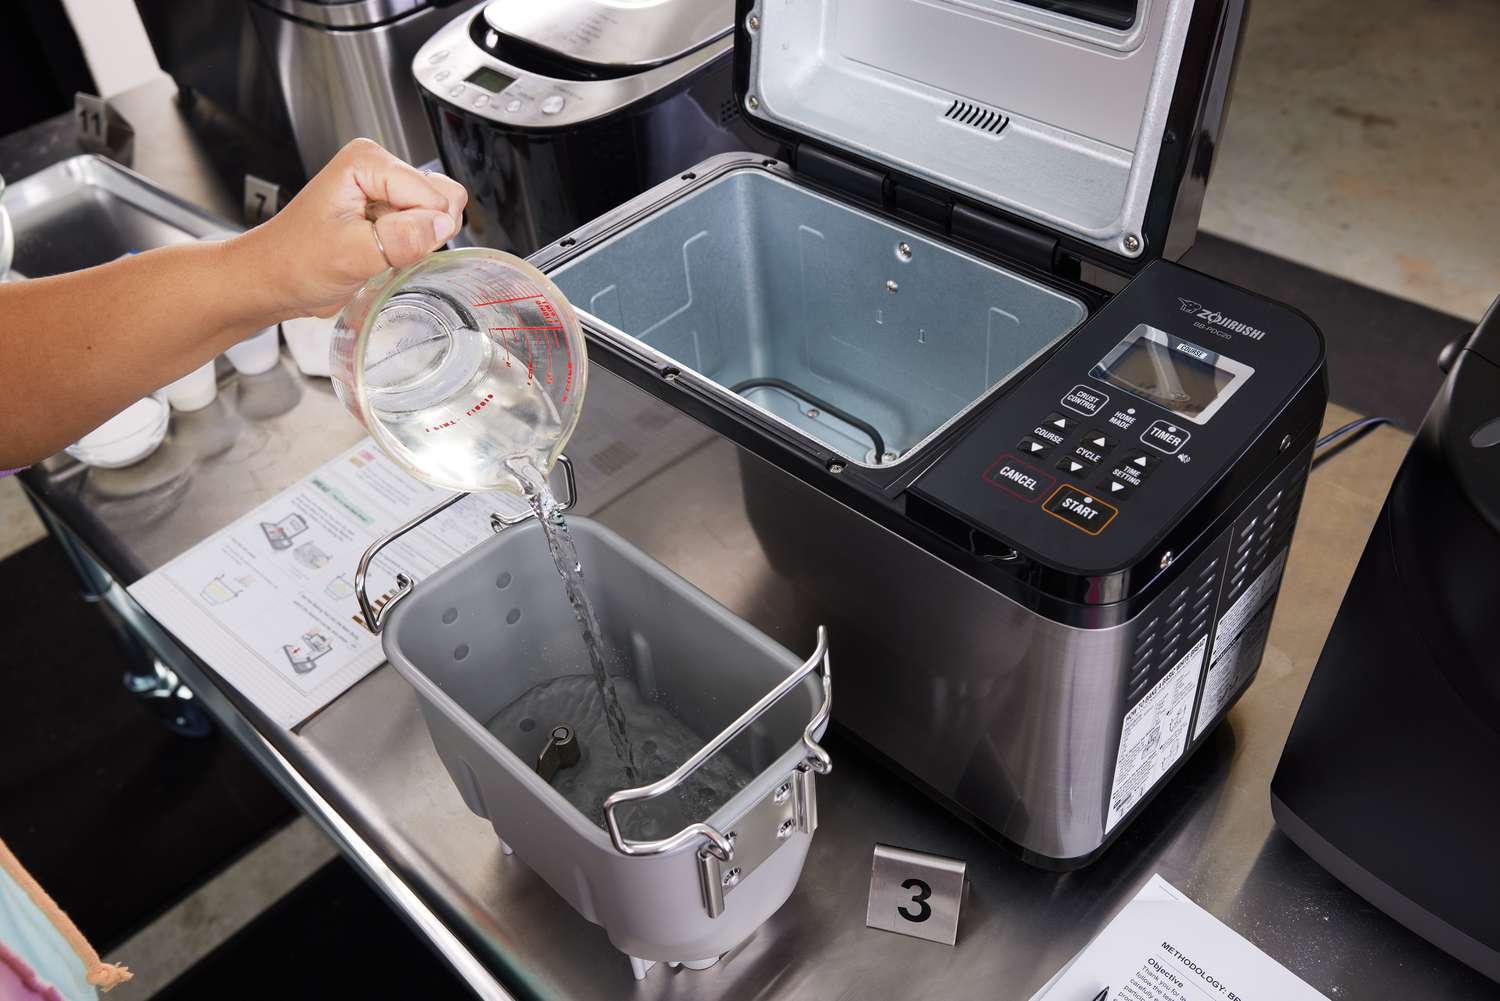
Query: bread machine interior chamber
[[1038, 481]]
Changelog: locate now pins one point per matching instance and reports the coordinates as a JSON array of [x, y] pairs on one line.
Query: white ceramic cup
[[195, 390], [308, 337], [257, 353]]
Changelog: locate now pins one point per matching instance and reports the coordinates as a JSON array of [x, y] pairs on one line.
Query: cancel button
[[1016, 477], [1080, 509]]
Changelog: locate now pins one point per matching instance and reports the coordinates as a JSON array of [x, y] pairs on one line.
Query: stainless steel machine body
[[1049, 521], [307, 74]]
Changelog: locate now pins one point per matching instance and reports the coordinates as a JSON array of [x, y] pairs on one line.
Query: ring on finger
[[381, 246]]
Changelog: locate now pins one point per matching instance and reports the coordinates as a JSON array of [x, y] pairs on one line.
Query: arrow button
[[1059, 422], [1030, 446], [1116, 490]]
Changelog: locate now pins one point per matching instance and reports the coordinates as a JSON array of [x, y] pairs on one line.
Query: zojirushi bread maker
[[552, 113], [1038, 481]]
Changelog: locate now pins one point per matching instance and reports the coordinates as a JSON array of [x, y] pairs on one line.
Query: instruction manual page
[[268, 602], [1164, 947]]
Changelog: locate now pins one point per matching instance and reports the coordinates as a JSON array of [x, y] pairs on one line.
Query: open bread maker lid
[[617, 34], [1053, 111]]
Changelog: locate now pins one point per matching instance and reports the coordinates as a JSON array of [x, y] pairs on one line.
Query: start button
[[1080, 509]]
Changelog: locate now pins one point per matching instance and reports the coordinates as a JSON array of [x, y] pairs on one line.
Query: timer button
[[1165, 436]]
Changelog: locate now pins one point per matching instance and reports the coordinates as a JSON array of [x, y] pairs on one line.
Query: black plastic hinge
[[852, 178], [993, 232], [922, 202]]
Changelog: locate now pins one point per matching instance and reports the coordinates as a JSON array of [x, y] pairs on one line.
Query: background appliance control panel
[[1090, 459]]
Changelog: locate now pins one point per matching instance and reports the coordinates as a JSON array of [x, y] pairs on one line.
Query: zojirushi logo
[[1217, 319]]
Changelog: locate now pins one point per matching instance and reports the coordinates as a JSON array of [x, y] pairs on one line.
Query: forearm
[[78, 348]]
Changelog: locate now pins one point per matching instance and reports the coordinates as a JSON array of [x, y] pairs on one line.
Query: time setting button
[[1081, 509]]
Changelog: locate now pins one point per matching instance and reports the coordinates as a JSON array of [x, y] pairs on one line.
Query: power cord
[[1338, 439]]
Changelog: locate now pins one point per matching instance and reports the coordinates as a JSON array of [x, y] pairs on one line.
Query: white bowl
[[125, 438], [257, 353]]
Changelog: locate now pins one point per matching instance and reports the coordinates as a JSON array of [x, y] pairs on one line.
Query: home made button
[[1081, 509], [1016, 477]]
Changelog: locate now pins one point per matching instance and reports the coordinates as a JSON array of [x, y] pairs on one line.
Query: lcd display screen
[[491, 80], [1177, 375]]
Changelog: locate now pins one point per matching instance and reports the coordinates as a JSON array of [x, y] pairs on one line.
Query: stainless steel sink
[[89, 210]]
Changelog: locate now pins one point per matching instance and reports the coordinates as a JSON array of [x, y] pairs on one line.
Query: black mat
[[1382, 351], [116, 817], [331, 937]]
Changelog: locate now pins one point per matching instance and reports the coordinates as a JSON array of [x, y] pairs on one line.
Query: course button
[[1030, 446]]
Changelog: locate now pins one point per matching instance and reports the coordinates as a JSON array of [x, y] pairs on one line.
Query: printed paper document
[[268, 602], [1164, 947]]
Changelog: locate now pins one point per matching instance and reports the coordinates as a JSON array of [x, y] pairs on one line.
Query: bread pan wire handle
[[718, 844], [375, 616]]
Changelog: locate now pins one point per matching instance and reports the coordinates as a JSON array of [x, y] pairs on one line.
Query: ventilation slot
[[1265, 534], [729, 111], [977, 116]]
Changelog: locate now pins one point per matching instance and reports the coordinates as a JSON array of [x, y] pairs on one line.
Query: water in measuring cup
[[570, 569], [662, 742], [429, 374]]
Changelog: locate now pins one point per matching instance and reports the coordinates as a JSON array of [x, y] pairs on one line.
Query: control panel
[[1091, 458]]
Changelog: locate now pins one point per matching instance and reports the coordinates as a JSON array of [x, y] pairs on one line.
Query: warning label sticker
[[1249, 602], [1154, 734], [1239, 640]]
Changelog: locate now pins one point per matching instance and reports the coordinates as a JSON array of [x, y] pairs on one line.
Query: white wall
[[115, 44]]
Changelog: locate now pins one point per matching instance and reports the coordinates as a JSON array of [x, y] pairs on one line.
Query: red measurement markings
[[501, 302], [467, 413]]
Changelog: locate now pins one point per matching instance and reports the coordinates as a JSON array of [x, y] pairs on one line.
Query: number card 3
[[917, 894]]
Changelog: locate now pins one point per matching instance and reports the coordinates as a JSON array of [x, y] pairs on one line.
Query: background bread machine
[[1388, 774], [553, 113], [1045, 524]]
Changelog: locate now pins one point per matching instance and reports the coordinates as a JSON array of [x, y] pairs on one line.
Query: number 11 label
[[914, 893]]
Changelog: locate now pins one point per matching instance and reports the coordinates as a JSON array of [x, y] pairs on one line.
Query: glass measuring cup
[[468, 368]]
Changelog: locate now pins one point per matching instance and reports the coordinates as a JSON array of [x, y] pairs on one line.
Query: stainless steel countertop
[[371, 769]]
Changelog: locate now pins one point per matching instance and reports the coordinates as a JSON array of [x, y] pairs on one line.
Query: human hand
[[363, 212]]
